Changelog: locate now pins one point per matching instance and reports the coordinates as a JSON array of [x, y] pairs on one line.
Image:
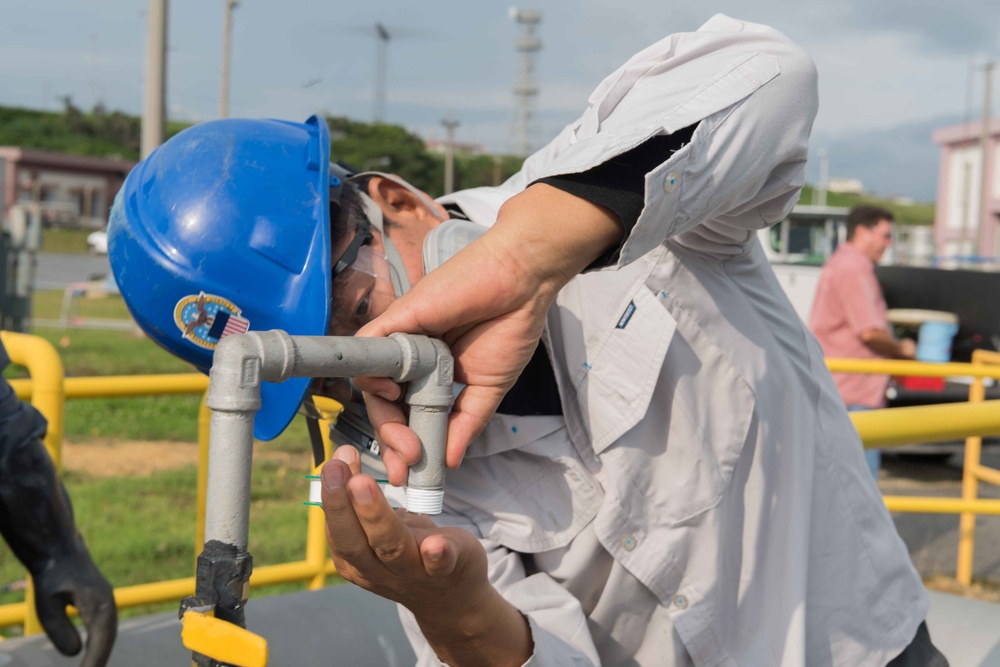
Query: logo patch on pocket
[[626, 316]]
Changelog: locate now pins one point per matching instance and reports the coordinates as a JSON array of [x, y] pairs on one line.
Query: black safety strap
[[315, 435], [362, 237]]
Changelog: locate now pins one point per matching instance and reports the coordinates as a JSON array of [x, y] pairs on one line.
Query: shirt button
[[670, 182], [629, 542], [680, 602]]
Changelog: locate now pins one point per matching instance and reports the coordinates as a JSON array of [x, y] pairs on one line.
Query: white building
[[846, 186]]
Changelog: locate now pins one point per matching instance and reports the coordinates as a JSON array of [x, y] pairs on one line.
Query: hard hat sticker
[[205, 319]]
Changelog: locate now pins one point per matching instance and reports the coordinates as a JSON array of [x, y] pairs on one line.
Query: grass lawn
[[47, 305], [141, 529], [88, 353], [66, 240]]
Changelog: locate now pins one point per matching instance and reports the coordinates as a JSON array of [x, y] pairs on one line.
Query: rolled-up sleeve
[[558, 625], [753, 94]]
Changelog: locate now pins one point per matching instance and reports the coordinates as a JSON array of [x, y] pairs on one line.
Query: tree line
[[101, 132]]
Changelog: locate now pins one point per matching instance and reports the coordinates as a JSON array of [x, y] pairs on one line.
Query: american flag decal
[[227, 324]]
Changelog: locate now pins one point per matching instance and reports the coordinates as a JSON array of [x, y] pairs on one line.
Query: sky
[[890, 70]]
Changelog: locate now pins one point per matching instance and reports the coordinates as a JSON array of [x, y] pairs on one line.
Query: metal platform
[[344, 625]]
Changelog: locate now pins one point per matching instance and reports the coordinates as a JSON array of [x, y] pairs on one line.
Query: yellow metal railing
[[48, 390], [972, 420], [973, 471]]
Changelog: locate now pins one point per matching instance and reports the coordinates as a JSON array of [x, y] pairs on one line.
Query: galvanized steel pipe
[[242, 362]]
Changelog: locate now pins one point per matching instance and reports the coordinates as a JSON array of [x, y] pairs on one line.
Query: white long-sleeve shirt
[[703, 500]]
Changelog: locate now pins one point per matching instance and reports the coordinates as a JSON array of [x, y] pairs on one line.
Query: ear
[[398, 202]]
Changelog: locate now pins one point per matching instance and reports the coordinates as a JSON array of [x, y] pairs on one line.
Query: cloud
[[945, 27], [883, 63], [899, 160]]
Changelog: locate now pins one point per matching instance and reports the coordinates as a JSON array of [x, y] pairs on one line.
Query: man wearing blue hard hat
[[669, 478]]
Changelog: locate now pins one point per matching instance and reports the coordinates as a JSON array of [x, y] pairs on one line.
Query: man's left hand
[[400, 556], [439, 574]]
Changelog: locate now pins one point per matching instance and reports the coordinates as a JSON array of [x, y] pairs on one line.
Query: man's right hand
[[489, 304]]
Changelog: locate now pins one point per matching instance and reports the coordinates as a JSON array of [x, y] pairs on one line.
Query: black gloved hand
[[75, 580], [36, 519]]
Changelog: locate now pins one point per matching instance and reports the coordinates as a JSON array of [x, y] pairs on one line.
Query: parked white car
[[97, 242]]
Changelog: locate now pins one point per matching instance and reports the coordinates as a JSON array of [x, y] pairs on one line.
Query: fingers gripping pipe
[[240, 364]]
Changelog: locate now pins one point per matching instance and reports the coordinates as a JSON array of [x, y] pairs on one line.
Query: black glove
[[36, 519], [76, 580]]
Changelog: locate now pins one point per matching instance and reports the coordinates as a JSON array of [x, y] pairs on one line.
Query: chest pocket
[[524, 485], [615, 384], [683, 456]]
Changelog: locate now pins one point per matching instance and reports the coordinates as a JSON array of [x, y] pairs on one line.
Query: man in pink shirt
[[849, 313]]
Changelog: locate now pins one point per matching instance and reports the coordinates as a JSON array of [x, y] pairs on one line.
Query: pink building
[[963, 226]]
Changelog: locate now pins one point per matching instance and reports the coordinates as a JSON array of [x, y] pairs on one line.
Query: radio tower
[[525, 91]]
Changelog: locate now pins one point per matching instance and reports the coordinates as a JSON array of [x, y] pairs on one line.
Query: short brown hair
[[866, 215]]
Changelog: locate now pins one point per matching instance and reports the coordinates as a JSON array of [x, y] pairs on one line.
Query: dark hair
[[345, 218], [867, 216]]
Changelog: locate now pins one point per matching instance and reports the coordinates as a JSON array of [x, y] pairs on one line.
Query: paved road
[[57, 270]]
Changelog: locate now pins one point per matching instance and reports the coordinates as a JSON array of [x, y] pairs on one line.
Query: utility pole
[[824, 175], [449, 153], [227, 42], [381, 55], [984, 186], [525, 91], [154, 106], [966, 202]]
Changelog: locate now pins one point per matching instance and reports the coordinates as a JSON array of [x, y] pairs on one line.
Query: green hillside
[[379, 146], [97, 133], [919, 213]]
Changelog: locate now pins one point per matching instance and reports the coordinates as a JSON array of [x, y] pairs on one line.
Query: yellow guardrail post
[[316, 546], [972, 473], [970, 488], [47, 395], [46, 371]]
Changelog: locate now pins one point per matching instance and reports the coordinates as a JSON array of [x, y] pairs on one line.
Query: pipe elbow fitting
[[235, 376]]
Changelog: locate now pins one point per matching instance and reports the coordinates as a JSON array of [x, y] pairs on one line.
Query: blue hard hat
[[226, 228]]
